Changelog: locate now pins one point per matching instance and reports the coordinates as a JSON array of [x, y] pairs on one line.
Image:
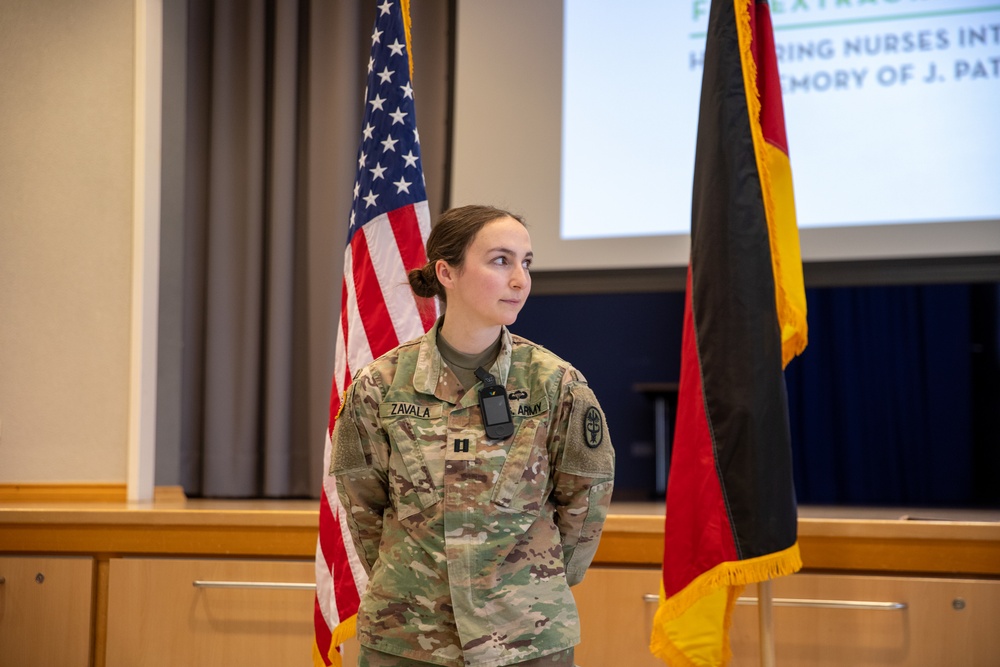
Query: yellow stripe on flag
[[790, 289], [779, 206], [696, 637]]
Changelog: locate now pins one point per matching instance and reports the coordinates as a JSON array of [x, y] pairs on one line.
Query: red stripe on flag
[[334, 402], [406, 230], [772, 113], [335, 553], [330, 527], [343, 317], [377, 322], [323, 635], [327, 529], [347, 381], [340, 385], [698, 536]]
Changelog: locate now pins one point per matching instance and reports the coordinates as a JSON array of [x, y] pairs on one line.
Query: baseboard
[[80, 492]]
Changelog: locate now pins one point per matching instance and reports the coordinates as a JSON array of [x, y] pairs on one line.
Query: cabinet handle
[[280, 585], [829, 604], [815, 604]]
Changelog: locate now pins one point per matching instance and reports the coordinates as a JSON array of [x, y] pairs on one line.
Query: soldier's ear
[[445, 273]]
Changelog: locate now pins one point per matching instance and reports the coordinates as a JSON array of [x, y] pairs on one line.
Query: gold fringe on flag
[[732, 573], [725, 579], [345, 630], [404, 5]]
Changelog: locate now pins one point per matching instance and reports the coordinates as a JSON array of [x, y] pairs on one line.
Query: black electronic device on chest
[[494, 406]]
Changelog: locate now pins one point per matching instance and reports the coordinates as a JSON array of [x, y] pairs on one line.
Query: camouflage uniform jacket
[[471, 544]]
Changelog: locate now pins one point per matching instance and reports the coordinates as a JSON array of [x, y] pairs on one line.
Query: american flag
[[389, 225]]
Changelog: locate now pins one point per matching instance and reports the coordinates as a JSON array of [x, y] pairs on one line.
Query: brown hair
[[449, 239]]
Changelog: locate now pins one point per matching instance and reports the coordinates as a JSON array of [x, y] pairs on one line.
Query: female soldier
[[475, 497]]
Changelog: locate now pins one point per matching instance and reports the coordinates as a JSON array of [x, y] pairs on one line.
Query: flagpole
[[765, 621]]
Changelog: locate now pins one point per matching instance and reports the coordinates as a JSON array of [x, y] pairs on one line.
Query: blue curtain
[[896, 400], [882, 403]]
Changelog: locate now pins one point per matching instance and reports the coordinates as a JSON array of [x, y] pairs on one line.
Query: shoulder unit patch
[[593, 428]]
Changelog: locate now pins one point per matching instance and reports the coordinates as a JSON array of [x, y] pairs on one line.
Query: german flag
[[731, 512]]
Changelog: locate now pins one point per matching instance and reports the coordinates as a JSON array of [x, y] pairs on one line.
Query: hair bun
[[421, 285]]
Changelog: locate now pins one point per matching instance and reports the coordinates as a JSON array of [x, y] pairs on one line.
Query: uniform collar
[[431, 369]]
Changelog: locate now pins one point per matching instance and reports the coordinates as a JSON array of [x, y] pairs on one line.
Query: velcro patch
[[588, 444], [348, 453], [525, 406], [396, 409], [462, 445]]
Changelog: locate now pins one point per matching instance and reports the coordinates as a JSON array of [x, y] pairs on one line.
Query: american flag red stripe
[[337, 561], [405, 227], [389, 225], [368, 291], [345, 378]]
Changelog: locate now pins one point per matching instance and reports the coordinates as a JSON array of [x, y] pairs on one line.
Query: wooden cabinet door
[[158, 616], [945, 622], [616, 619], [46, 606]]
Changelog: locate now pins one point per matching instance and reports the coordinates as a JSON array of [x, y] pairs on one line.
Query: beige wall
[[66, 124]]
